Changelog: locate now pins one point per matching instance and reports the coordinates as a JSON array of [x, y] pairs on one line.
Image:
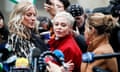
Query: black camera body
[[114, 2]]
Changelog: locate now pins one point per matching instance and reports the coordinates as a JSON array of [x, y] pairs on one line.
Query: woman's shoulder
[[104, 49]]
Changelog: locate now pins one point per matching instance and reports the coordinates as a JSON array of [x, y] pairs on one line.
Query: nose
[[59, 27], [33, 18]]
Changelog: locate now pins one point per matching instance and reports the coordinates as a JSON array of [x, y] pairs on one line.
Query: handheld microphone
[[35, 54], [41, 61], [59, 54], [56, 55], [90, 57]]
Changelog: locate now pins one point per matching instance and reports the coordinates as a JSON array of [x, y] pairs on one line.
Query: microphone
[[90, 57], [60, 55], [35, 53], [46, 56], [22, 63]]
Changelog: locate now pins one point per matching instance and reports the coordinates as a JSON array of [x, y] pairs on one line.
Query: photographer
[[115, 34]]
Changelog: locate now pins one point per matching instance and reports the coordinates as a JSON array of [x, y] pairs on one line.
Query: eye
[[59, 6], [30, 14], [64, 25], [56, 24]]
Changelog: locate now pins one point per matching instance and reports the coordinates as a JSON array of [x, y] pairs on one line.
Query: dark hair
[[66, 3], [75, 10], [115, 11], [4, 30], [46, 20], [1, 15], [115, 2]]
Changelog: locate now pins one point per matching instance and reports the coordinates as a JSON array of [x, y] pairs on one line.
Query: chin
[[32, 27], [59, 36]]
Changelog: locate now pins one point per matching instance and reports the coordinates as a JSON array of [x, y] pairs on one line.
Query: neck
[[97, 41]]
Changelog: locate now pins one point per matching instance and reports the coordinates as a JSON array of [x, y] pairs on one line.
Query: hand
[[52, 67], [47, 6], [76, 32], [50, 9], [69, 67]]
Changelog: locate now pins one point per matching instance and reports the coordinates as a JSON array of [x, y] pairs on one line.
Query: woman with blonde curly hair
[[97, 32], [23, 26]]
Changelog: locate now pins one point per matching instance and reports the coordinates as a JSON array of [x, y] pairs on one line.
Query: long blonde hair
[[16, 17]]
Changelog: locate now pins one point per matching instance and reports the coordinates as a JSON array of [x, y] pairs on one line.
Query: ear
[[93, 30]]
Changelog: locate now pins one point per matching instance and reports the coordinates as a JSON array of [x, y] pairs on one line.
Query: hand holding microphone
[[69, 66], [57, 56]]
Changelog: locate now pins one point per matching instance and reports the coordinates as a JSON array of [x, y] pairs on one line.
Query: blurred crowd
[[69, 28]]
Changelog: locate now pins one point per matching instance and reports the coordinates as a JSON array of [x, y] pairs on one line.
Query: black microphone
[[41, 62], [90, 57], [35, 53], [56, 55], [105, 56]]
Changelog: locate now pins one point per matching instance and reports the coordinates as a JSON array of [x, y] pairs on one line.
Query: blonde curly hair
[[16, 17]]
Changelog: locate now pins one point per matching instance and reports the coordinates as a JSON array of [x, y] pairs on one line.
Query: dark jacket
[[22, 47], [115, 42]]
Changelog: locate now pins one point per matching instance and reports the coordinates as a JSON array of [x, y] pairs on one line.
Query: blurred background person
[[97, 30], [64, 40], [115, 34], [3, 29], [3, 38], [78, 13], [44, 28], [54, 6], [44, 23]]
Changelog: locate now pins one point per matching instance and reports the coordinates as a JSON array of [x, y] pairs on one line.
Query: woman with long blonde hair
[[23, 26]]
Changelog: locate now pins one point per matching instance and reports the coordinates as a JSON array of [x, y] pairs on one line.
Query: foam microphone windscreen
[[36, 52], [22, 63]]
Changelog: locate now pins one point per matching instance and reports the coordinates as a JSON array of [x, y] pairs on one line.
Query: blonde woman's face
[[61, 27], [29, 18]]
